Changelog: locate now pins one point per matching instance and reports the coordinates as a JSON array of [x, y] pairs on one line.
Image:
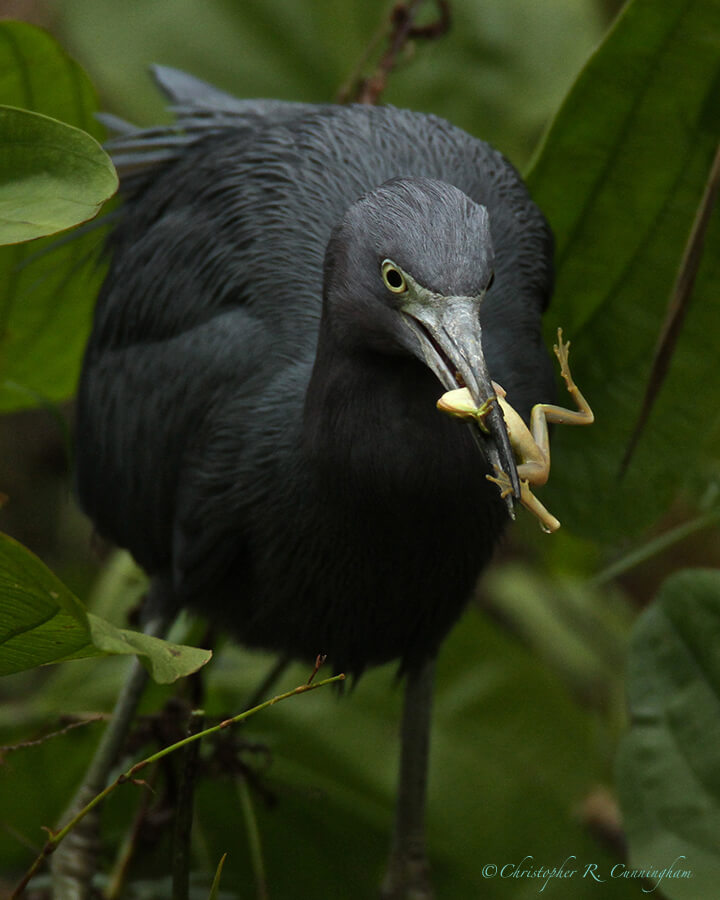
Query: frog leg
[[558, 415], [536, 469], [547, 520]]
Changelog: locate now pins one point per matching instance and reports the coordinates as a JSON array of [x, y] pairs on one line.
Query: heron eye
[[393, 277]]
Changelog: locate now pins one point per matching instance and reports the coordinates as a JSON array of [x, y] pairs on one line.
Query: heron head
[[406, 272]]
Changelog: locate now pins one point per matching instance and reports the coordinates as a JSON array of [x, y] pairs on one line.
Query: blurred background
[[530, 703]]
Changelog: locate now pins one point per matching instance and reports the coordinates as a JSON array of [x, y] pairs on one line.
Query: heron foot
[[408, 878]]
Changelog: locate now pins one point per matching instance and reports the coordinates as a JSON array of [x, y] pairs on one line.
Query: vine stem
[[55, 837]]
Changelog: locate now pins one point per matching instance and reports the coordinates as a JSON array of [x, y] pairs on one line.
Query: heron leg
[[408, 873], [73, 863]]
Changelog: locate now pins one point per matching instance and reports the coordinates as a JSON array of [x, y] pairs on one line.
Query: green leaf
[[620, 177], [215, 889], [44, 307], [165, 661], [42, 622], [52, 176], [668, 776]]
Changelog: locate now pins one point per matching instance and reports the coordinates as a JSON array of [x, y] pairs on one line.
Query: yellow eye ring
[[393, 277]]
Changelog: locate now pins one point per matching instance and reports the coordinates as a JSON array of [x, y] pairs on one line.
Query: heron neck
[[370, 419]]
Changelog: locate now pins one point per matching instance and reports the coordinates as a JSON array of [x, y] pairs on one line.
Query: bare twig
[[36, 742], [118, 876], [677, 307], [55, 837], [319, 663], [402, 30]]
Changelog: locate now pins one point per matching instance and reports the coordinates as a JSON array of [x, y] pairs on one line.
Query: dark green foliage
[[44, 308]]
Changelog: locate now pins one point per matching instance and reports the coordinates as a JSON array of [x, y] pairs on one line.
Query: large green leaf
[[52, 176], [620, 177], [669, 779], [40, 619], [42, 622], [45, 307]]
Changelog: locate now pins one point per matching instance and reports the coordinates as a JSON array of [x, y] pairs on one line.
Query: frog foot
[[562, 351], [502, 480]]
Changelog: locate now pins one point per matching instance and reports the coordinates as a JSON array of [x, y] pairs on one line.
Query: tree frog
[[530, 445]]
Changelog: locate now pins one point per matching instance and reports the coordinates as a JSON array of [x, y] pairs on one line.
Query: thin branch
[[36, 742], [319, 663], [402, 31], [116, 880], [55, 837], [677, 308], [347, 92]]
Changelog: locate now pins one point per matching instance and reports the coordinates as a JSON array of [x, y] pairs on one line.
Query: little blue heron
[[291, 288]]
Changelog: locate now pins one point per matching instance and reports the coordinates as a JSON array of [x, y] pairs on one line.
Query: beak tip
[[501, 453]]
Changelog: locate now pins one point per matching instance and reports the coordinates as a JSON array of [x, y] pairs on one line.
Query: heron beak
[[449, 341]]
